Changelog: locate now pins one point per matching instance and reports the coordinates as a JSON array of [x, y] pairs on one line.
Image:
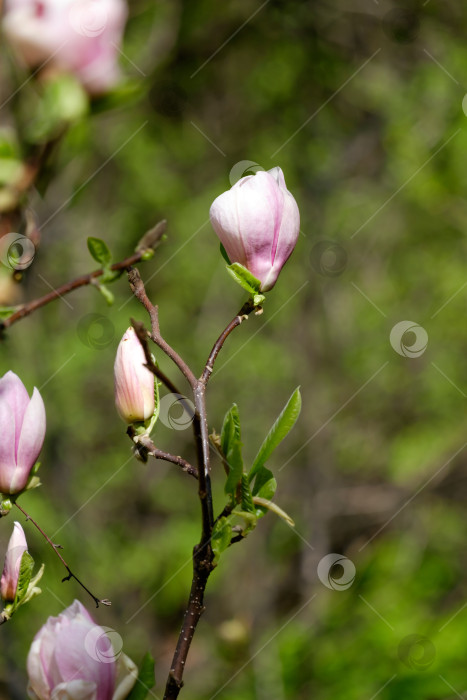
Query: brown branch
[[152, 451], [137, 287], [55, 548], [84, 280], [242, 315]]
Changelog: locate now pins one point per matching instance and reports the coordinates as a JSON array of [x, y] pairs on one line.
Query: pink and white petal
[[38, 684], [7, 447], [75, 690], [32, 433], [13, 392], [127, 673], [224, 220]]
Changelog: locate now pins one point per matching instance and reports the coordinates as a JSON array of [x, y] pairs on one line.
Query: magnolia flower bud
[[76, 36], [258, 223], [17, 546], [22, 430], [134, 383], [71, 657]]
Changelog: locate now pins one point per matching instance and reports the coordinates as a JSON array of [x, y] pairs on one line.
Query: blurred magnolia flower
[[134, 383], [22, 430], [81, 37], [71, 658], [258, 223], [17, 546]]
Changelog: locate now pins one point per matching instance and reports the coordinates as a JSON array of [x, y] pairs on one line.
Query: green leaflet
[[283, 425], [99, 251]]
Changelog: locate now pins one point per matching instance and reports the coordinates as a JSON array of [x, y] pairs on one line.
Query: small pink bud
[[258, 223], [73, 657], [22, 430], [17, 546], [134, 383], [76, 36]]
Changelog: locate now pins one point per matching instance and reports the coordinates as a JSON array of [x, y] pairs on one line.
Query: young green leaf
[[25, 573], [99, 251], [244, 278], [220, 539], [264, 503], [278, 432], [232, 448], [145, 680], [106, 293], [247, 501]]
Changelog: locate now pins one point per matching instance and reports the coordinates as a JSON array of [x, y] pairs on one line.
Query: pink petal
[[7, 447], [31, 439], [13, 392]]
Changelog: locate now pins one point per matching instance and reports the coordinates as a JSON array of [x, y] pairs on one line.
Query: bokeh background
[[361, 105]]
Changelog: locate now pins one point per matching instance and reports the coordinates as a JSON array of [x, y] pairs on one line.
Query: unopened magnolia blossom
[[258, 223], [134, 383], [22, 431], [71, 658], [17, 546], [81, 37]]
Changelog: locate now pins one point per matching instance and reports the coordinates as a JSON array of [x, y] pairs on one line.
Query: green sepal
[[244, 278], [224, 254], [231, 446], [33, 481], [24, 579], [282, 426], [145, 681], [26, 588], [220, 538], [99, 251]]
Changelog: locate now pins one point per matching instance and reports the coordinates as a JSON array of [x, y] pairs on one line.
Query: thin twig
[[153, 451], [137, 287], [81, 281], [55, 548], [242, 315]]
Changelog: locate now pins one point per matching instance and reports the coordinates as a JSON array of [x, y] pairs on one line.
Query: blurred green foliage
[[362, 108]]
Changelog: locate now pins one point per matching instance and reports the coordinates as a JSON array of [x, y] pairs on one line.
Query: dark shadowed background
[[361, 104]]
